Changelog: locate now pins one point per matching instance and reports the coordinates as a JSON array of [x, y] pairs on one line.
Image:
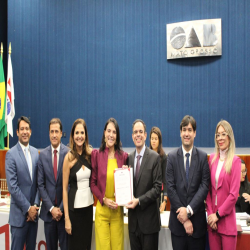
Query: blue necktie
[[28, 160], [187, 166]]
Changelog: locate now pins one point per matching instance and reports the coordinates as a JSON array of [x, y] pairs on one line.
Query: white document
[[242, 216], [123, 178], [242, 223], [245, 229]]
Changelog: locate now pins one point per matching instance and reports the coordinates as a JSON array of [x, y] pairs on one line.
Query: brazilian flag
[[3, 126]]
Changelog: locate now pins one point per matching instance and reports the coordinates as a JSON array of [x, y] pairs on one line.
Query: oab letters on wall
[[194, 39]]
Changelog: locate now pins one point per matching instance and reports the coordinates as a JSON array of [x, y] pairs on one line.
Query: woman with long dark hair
[[156, 145], [78, 201], [109, 216], [243, 201]]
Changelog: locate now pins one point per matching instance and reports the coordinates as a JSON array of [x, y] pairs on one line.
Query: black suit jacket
[[147, 189], [182, 194], [241, 205]]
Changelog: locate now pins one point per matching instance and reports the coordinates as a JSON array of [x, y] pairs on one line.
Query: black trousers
[[188, 242], [81, 222], [140, 241]]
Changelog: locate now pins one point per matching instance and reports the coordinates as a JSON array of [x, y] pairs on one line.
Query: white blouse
[[84, 197], [217, 175]]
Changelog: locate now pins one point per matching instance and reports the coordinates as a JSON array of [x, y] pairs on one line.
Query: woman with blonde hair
[[225, 172], [156, 145], [78, 201]]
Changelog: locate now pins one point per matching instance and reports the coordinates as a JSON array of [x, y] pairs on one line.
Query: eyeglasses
[[222, 135], [244, 172]]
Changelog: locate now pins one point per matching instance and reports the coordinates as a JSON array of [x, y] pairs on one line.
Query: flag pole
[[2, 51], [8, 135]]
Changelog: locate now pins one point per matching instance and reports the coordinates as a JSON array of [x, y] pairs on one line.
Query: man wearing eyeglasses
[[187, 179], [143, 215]]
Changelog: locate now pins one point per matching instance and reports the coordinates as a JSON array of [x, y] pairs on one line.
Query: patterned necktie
[[28, 161], [138, 165], [187, 166], [55, 163]]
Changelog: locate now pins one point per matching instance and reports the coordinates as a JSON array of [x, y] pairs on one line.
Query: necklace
[[111, 155]]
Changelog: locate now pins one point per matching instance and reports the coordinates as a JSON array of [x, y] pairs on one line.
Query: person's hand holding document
[[123, 178]]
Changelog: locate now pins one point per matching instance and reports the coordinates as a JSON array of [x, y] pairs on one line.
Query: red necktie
[[55, 163], [55, 169]]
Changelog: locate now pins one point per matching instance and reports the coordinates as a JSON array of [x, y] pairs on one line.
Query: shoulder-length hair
[[157, 131], [118, 143], [86, 147], [231, 149]]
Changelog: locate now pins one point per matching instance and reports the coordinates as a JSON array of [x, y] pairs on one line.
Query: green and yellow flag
[[3, 126]]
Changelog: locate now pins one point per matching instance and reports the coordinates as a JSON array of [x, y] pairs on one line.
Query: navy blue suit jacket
[[23, 190], [49, 187], [193, 193]]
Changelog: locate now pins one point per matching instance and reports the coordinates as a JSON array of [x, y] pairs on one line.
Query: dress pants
[[188, 242], [54, 232], [24, 235], [219, 241], [140, 241], [109, 228]]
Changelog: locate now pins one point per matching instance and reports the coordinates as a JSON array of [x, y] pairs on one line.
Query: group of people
[[65, 179]]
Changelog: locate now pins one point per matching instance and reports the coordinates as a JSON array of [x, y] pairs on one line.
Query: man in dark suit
[[50, 186], [187, 177], [21, 174], [143, 215]]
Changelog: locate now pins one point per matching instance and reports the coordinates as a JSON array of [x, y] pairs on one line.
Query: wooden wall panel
[[246, 158], [2, 163]]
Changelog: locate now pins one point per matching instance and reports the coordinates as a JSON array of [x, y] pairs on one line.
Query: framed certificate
[[123, 178]]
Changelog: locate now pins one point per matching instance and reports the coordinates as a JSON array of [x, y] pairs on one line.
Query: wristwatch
[[165, 200], [188, 213], [218, 215]]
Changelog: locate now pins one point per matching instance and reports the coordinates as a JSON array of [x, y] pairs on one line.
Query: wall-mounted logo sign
[[194, 39]]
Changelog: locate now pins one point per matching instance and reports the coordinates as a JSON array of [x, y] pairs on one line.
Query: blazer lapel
[[181, 166], [221, 176], [213, 172], [131, 164], [22, 156], [143, 163], [193, 166], [49, 159], [60, 163]]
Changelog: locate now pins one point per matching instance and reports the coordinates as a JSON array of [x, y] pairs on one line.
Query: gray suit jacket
[[23, 190], [147, 189], [49, 187], [193, 193]]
